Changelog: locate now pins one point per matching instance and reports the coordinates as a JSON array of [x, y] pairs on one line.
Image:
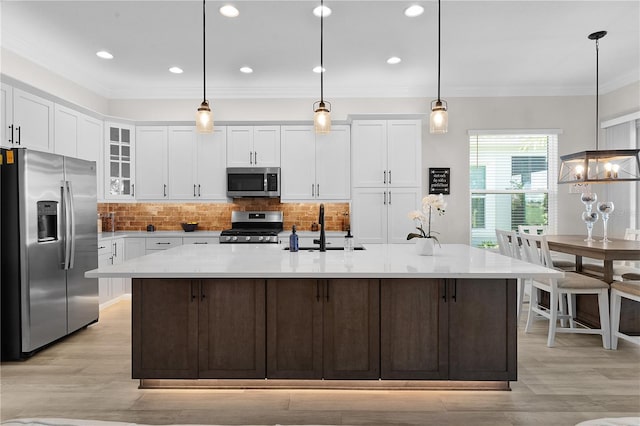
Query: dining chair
[[558, 263], [536, 250], [629, 290], [509, 245], [625, 270]]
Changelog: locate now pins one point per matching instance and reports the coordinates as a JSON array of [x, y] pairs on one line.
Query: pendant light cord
[[597, 92], [438, 50], [321, 52], [204, 53]]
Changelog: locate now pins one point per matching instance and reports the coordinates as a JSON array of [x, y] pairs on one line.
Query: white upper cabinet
[[6, 116], [66, 131], [181, 155], [315, 167], [90, 136], [151, 163], [211, 171], [32, 125], [119, 161], [177, 163], [386, 153], [253, 146]]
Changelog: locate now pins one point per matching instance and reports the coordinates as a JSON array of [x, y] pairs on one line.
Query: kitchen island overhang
[[383, 317]]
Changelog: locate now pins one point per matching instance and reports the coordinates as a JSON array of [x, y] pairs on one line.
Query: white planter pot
[[424, 246]]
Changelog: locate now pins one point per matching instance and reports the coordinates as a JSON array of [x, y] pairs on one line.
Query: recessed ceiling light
[[104, 54], [319, 69], [413, 11], [176, 70], [322, 9], [394, 60], [229, 11], [246, 70]]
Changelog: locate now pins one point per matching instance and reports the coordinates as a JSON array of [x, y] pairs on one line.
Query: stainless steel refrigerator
[[48, 238]]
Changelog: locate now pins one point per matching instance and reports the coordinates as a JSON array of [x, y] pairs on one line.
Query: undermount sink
[[328, 248]]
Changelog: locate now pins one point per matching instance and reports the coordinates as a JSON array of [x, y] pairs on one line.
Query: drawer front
[[200, 240], [162, 243], [104, 248]]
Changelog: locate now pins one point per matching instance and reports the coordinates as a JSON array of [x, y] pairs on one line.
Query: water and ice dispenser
[[47, 221]]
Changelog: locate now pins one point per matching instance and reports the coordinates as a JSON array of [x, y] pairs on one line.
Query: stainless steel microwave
[[253, 182]]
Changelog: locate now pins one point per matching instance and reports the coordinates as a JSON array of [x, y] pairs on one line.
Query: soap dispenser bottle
[[348, 242], [293, 240]]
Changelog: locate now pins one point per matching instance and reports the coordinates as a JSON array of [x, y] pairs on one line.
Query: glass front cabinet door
[[120, 183]]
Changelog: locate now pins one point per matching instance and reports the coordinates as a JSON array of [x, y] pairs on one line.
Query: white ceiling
[[489, 48]]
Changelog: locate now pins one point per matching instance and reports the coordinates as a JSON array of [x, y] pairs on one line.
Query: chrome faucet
[[323, 240]]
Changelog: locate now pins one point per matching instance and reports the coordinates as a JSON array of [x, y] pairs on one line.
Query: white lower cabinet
[[155, 244], [110, 252], [380, 215]]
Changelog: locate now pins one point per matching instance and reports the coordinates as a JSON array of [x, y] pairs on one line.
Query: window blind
[[512, 182]]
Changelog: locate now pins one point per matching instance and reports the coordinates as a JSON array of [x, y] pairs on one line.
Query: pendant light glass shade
[[204, 118], [439, 120], [322, 118], [322, 113], [600, 166]]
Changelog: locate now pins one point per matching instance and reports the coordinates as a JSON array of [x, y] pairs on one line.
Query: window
[[512, 181]]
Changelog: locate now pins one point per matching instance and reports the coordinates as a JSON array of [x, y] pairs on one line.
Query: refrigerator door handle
[[72, 231]]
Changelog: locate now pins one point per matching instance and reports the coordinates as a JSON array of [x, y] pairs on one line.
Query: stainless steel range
[[253, 227]]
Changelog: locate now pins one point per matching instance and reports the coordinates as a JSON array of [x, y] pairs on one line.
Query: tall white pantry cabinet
[[386, 174]]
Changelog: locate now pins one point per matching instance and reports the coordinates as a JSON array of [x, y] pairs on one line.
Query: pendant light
[[439, 120], [204, 116], [322, 115], [600, 166]]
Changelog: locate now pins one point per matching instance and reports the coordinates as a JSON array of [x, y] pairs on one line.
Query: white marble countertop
[[145, 234], [271, 261]]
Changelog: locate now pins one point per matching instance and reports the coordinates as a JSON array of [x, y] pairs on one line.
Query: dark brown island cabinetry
[[445, 329], [349, 329], [185, 329], [323, 329]]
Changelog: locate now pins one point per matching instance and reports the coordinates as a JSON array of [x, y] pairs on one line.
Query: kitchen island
[[235, 315]]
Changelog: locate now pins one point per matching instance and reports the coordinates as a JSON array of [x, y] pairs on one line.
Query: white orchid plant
[[430, 203]]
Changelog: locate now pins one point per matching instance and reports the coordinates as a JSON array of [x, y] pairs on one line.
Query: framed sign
[[439, 180]]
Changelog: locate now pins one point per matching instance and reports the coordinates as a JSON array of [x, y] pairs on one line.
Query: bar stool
[[536, 250], [558, 263], [629, 290], [509, 246]]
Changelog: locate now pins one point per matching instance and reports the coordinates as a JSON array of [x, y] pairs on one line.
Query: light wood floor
[[87, 376]]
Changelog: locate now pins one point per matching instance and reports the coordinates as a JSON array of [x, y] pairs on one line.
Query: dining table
[[608, 252], [616, 249]]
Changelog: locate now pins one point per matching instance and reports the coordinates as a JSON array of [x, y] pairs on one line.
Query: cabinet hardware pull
[[455, 290], [389, 195], [255, 157], [201, 242], [318, 291], [162, 243], [111, 259], [250, 157], [444, 291], [11, 136], [101, 247], [317, 189], [389, 177], [385, 198], [193, 295], [164, 191], [385, 177], [194, 189], [313, 190], [115, 250], [19, 137], [199, 190], [133, 189]]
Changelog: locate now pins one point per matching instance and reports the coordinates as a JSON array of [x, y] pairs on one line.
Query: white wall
[[16, 67]]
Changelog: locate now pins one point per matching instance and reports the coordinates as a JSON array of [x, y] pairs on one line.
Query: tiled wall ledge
[[217, 216]]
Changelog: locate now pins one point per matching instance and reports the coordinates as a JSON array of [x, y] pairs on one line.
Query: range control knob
[[247, 238], [260, 238], [234, 238], [228, 238]]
